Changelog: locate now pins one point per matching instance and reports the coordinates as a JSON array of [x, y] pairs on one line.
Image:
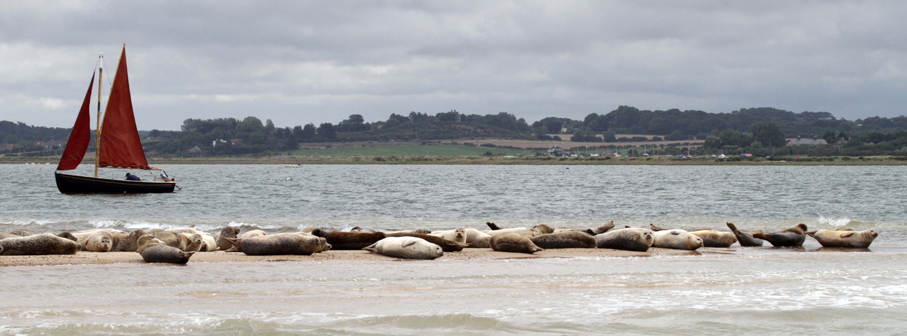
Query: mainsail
[[80, 136], [120, 143]]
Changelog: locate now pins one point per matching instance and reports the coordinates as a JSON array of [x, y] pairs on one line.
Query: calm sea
[[749, 291]]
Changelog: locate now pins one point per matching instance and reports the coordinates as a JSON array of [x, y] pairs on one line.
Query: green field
[[408, 150]]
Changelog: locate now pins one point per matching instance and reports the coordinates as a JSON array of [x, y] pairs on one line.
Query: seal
[[294, 243], [512, 242], [541, 229], [628, 239], [195, 242], [655, 228], [445, 244], [602, 229], [172, 239], [82, 235], [676, 239], [492, 226], [253, 233], [340, 240], [422, 231], [844, 238], [39, 244], [792, 237], [457, 235], [208, 243], [156, 251], [98, 242], [476, 238], [185, 230], [126, 242], [712, 238], [569, 239], [67, 235], [496, 230], [406, 248], [744, 238]]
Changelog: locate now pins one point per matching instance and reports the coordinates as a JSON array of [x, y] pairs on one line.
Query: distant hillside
[[738, 129]]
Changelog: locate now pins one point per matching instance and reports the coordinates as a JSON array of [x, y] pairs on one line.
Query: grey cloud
[[300, 62]]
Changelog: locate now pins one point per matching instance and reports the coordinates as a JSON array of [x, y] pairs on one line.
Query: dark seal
[[567, 239]]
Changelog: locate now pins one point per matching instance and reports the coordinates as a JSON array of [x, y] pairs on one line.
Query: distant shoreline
[[500, 160]]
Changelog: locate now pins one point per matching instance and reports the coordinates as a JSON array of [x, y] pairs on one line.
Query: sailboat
[[117, 144]]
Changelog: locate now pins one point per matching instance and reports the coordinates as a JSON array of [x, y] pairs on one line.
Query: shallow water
[[750, 291]]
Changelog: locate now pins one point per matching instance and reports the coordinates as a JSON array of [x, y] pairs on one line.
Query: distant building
[[557, 151], [806, 142]]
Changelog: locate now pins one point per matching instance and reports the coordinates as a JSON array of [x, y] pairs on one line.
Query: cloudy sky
[[297, 62]]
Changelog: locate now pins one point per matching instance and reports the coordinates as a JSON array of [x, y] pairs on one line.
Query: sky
[[299, 62]]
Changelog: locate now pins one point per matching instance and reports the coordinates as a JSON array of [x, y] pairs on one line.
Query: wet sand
[[85, 258]]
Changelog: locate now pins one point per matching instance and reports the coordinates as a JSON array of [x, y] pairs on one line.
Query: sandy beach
[[86, 258]]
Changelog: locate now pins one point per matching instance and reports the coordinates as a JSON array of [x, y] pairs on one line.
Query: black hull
[[77, 184]]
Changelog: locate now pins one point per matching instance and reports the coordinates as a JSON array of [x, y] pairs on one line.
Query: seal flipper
[[811, 233], [848, 234], [409, 243], [655, 228], [373, 248], [493, 226], [237, 244]]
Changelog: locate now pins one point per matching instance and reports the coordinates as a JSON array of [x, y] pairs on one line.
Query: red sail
[[80, 136], [120, 144]]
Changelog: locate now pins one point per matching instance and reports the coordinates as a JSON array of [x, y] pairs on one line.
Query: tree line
[[752, 129]]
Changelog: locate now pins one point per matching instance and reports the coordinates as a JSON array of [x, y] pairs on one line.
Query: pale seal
[[445, 244], [676, 239], [39, 244], [457, 235], [569, 239], [844, 238], [126, 242], [655, 228], [406, 248], [512, 242], [629, 239], [98, 242], [172, 239], [253, 233], [792, 237], [746, 238], [712, 238], [476, 238], [195, 242], [281, 244]]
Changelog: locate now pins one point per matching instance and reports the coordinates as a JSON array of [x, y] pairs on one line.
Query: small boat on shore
[[117, 144]]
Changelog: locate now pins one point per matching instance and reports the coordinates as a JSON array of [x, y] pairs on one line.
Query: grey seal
[[154, 250], [629, 239], [295, 243], [512, 242], [221, 237], [791, 237], [746, 238], [340, 240], [712, 238], [39, 244], [568, 239]]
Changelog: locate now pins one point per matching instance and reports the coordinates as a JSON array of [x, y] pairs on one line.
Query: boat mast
[[97, 134]]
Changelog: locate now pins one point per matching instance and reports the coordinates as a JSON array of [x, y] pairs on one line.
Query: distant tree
[[327, 132], [769, 134]]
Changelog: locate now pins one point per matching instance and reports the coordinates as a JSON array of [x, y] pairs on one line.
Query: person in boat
[[131, 177]]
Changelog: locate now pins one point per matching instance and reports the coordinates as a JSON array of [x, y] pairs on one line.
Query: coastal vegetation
[[760, 132]]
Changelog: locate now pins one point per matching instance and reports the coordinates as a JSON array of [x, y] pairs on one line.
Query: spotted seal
[[844, 238], [628, 239], [98, 242], [294, 243], [457, 235], [39, 244], [154, 250], [676, 239], [512, 242], [569, 239], [712, 238], [406, 248]]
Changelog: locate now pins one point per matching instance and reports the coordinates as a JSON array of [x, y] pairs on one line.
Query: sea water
[[750, 291]]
